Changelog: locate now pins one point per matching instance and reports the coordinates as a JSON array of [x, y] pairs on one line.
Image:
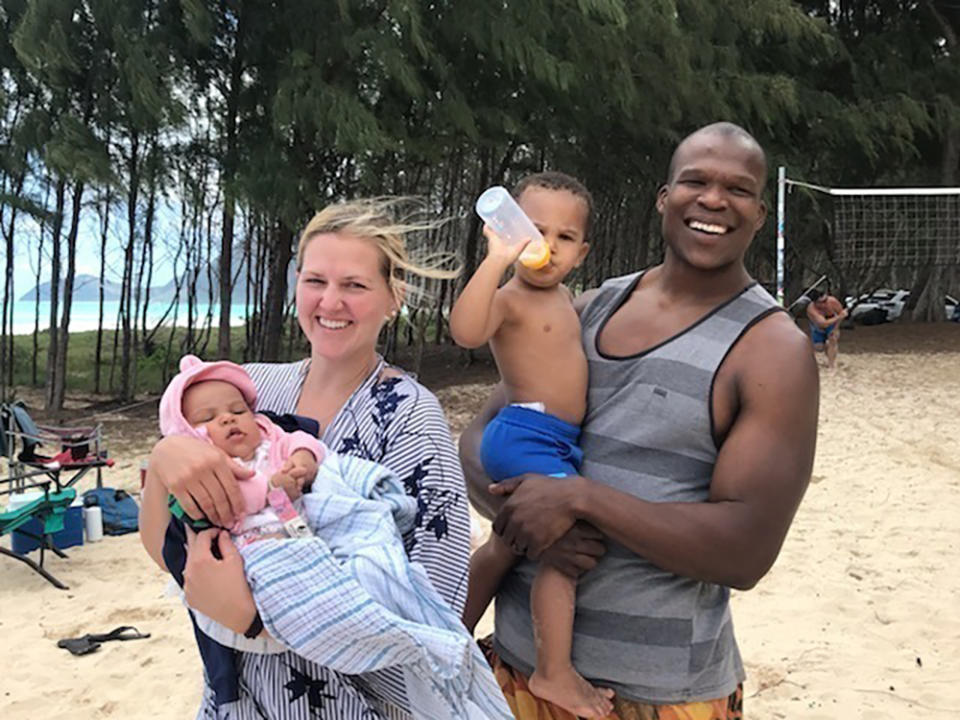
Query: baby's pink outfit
[[276, 445]]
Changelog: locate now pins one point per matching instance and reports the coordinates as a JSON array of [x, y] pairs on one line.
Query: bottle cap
[[535, 255]]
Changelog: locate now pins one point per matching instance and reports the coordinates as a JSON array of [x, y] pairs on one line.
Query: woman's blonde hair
[[395, 226]]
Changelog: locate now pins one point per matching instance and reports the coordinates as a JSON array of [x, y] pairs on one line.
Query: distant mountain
[[85, 288]]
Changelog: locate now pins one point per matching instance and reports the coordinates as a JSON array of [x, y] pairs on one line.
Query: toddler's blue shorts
[[522, 440]]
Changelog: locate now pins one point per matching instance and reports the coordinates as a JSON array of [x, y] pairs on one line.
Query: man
[[825, 314], [698, 442]]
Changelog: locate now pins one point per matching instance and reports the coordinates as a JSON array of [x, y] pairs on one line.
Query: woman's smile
[[331, 324]]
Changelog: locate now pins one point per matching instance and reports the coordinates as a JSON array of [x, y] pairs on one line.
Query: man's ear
[[761, 217], [662, 198]]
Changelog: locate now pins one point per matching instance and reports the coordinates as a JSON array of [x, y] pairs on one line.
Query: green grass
[[151, 362], [82, 353]]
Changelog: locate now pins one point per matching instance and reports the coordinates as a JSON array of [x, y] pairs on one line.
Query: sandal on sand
[[78, 646], [91, 642]]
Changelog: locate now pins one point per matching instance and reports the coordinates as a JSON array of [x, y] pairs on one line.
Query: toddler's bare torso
[[539, 352]]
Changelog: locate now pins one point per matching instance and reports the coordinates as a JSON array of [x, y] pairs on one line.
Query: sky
[[27, 238]]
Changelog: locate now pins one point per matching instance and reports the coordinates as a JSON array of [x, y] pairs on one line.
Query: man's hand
[[537, 514], [576, 552], [216, 586]]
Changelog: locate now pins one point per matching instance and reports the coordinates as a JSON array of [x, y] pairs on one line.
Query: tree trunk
[[9, 298], [281, 252], [52, 333], [229, 200], [98, 351], [6, 367], [126, 314], [36, 298], [247, 289], [60, 378], [928, 295], [441, 298], [148, 262], [226, 276]]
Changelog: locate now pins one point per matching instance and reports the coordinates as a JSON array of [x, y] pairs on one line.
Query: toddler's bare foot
[[567, 688]]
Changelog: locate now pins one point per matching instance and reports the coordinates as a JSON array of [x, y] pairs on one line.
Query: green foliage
[[26, 205], [284, 107], [75, 151]]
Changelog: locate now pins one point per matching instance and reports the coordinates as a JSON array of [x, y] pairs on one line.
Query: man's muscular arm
[[761, 473]]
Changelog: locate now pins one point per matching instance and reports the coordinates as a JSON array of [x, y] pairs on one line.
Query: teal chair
[[49, 511]]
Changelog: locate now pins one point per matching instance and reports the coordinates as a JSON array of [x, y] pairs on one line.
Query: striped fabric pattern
[[349, 598], [651, 635], [398, 423]]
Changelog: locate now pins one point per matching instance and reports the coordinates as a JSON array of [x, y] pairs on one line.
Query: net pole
[[804, 293], [781, 193]]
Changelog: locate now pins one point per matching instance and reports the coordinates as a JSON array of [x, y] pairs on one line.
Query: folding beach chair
[[81, 449], [49, 510]]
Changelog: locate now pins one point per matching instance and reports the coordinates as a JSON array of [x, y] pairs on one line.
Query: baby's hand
[[499, 249], [303, 466], [291, 485]]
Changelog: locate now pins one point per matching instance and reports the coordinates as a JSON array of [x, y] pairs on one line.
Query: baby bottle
[[500, 211]]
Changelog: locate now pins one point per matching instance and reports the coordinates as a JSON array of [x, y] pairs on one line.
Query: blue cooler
[[71, 535]]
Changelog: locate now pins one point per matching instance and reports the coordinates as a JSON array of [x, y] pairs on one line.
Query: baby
[[534, 333], [340, 566], [212, 401]]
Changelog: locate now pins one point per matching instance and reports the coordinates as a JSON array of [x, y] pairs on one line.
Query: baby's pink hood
[[193, 370]]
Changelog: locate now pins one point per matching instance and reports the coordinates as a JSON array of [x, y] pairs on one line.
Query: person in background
[[825, 314]]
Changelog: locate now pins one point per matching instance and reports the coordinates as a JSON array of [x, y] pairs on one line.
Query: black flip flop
[[79, 646], [91, 642], [124, 633]]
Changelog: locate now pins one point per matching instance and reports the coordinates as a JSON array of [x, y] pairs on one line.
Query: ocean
[[84, 314]]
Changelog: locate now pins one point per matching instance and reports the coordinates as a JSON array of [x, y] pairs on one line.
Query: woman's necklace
[[326, 404]]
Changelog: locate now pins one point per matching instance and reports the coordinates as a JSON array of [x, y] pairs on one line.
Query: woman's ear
[[399, 295]]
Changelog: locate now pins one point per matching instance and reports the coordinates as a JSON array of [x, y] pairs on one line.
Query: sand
[[860, 617]]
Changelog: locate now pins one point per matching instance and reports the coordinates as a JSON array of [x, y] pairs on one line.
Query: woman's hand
[[537, 513], [202, 478], [216, 586]]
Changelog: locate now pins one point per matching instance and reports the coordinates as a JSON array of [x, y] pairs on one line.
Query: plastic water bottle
[[93, 522], [500, 211]]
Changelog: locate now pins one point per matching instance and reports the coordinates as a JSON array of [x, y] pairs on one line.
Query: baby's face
[[220, 408]]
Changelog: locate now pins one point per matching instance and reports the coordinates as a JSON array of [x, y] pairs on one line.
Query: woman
[[351, 268]]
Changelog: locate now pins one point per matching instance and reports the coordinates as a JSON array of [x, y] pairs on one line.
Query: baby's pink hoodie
[[282, 444]]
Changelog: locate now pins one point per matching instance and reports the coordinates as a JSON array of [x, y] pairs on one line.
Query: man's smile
[[708, 228]]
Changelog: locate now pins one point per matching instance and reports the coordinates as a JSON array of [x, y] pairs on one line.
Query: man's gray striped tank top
[[650, 635]]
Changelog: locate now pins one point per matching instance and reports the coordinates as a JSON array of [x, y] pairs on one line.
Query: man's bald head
[[724, 130]]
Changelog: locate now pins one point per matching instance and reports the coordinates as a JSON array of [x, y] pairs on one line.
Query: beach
[[858, 618]]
